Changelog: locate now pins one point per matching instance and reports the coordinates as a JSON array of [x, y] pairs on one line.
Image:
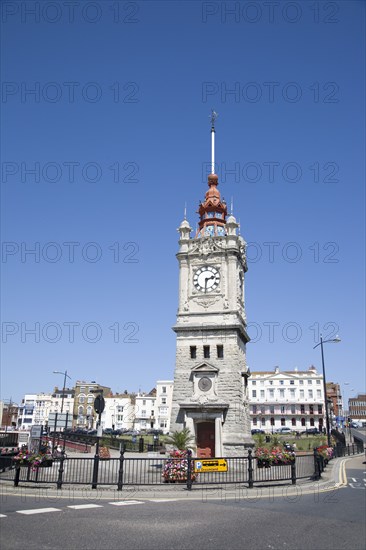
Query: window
[[90, 389], [311, 409], [293, 409], [254, 409], [89, 410], [163, 400], [320, 409], [292, 392], [254, 393], [311, 421], [119, 408], [254, 421], [206, 352], [282, 393], [82, 389], [319, 393], [301, 382], [263, 421], [81, 410], [81, 398], [272, 421], [303, 422], [310, 382], [271, 382], [292, 382], [144, 401], [283, 421], [311, 394], [90, 399], [143, 413], [271, 409], [302, 409], [302, 394], [283, 409], [163, 389], [220, 351], [271, 392], [193, 351], [263, 410], [282, 382], [293, 421], [318, 381], [262, 393], [254, 382]]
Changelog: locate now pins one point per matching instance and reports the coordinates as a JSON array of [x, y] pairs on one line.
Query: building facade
[[210, 379], [163, 407], [84, 415], [145, 411], [293, 399], [119, 412], [357, 407]]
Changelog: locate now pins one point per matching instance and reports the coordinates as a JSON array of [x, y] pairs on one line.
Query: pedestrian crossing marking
[[85, 506], [38, 511], [125, 502]]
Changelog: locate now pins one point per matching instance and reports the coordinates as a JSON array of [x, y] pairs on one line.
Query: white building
[[119, 412], [294, 399], [36, 408], [145, 411], [164, 395]]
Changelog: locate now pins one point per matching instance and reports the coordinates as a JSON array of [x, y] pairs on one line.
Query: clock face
[[204, 383], [206, 278]]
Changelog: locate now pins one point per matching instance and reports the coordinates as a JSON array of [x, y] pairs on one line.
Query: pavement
[[333, 478]]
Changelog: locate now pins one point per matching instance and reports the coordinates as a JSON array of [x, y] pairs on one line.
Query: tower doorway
[[205, 439]]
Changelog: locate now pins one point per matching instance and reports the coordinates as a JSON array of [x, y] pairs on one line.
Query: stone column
[[218, 436]]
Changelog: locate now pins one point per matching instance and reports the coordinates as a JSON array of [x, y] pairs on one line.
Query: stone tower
[[210, 394]]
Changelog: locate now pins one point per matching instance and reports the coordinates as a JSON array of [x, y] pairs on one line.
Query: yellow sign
[[210, 465]]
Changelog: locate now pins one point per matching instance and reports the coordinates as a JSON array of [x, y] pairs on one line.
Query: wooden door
[[205, 439]]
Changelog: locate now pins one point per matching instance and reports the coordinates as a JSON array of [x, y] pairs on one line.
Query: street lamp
[[65, 375], [334, 341]]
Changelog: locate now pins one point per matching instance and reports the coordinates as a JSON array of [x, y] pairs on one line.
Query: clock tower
[[210, 395]]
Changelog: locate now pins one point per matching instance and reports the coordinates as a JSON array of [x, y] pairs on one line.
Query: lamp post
[[65, 375], [334, 341]]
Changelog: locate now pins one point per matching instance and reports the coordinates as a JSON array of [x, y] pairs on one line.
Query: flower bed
[[33, 460], [326, 452], [273, 457], [176, 468]]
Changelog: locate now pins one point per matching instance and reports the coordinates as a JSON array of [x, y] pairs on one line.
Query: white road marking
[[2, 516], [163, 499], [38, 511], [85, 506], [354, 480], [126, 502]]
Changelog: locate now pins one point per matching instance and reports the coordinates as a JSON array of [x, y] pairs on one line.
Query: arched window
[[272, 421], [90, 399], [254, 421], [89, 410], [303, 422], [311, 421], [81, 398], [81, 409]]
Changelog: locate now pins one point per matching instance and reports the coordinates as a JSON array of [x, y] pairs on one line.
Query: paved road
[[308, 519]]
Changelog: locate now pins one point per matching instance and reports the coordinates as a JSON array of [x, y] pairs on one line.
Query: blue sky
[[117, 134]]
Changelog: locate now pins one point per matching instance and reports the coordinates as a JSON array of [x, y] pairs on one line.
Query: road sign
[[210, 465], [36, 431], [99, 404]]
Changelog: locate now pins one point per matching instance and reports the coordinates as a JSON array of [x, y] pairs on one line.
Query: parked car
[[283, 430], [312, 431], [108, 431], [257, 431]]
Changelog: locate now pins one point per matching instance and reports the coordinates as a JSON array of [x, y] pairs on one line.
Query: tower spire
[[213, 117]]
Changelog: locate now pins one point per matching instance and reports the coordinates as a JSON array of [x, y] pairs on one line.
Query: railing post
[[293, 471], [95, 468], [189, 469], [121, 464], [250, 469], [61, 469], [317, 474], [17, 475]]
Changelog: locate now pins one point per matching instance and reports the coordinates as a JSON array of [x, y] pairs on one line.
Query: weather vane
[[213, 117]]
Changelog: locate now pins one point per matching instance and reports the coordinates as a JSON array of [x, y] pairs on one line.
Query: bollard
[[250, 469], [121, 464], [293, 471], [17, 475], [189, 469], [61, 469], [95, 471], [141, 445]]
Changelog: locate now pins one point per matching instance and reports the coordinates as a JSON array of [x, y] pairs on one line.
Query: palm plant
[[180, 439]]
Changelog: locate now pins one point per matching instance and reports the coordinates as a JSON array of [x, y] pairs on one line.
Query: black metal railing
[[131, 471]]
